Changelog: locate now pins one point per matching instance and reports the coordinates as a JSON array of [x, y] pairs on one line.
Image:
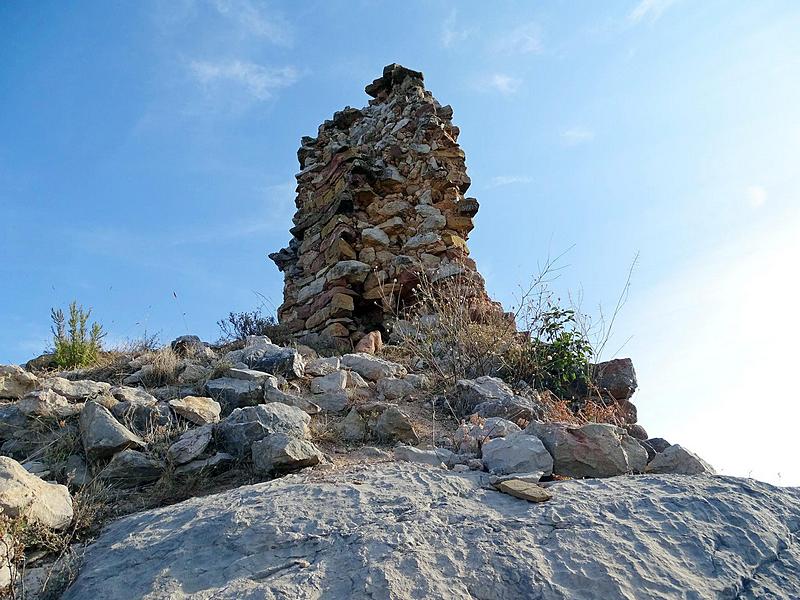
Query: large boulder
[[15, 382], [237, 432], [615, 378], [406, 531], [197, 409], [678, 460], [371, 367], [591, 450], [102, 434], [282, 452], [24, 494], [130, 469], [517, 453]]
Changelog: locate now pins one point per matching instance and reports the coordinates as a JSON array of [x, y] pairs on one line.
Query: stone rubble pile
[[380, 198]]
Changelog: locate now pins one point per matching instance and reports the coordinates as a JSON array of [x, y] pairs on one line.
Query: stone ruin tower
[[380, 198]]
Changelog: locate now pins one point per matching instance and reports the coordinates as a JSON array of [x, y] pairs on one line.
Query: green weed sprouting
[[76, 344]]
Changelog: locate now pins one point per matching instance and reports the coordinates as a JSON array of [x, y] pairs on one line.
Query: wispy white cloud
[[501, 180], [236, 84], [648, 10], [523, 39], [499, 82], [451, 33], [577, 135], [253, 19], [756, 196]]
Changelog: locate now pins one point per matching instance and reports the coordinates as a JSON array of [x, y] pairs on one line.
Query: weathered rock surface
[[435, 458], [7, 555], [15, 382], [130, 469], [353, 428], [275, 395], [261, 354], [12, 421], [469, 436], [22, 493], [197, 409], [46, 403], [394, 388], [205, 466], [76, 390], [332, 402], [592, 450], [232, 392], [491, 397], [332, 382], [322, 366], [102, 434], [677, 459], [281, 452], [190, 445], [394, 424], [408, 531], [524, 490], [517, 453], [243, 426], [616, 378], [371, 367], [142, 413]]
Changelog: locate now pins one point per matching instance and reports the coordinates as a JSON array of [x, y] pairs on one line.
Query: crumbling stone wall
[[380, 198]]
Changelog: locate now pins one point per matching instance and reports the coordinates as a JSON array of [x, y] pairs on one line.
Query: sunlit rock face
[[380, 199]]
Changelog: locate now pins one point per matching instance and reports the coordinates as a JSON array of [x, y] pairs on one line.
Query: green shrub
[[75, 344], [239, 325], [556, 354]]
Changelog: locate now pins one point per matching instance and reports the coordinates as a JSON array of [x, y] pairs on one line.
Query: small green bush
[[75, 344], [239, 325]]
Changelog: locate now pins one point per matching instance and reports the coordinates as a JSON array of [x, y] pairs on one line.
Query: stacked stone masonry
[[380, 198]]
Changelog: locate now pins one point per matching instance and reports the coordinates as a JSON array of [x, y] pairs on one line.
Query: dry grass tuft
[[165, 366]]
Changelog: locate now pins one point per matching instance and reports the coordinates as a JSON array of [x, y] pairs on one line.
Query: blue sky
[[147, 155]]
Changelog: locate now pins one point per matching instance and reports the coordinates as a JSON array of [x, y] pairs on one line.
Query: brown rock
[[372, 343], [523, 490]]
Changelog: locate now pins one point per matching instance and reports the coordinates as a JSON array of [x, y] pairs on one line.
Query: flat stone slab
[[524, 490]]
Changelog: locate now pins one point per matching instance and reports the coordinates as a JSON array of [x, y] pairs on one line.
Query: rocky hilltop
[[260, 467]]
